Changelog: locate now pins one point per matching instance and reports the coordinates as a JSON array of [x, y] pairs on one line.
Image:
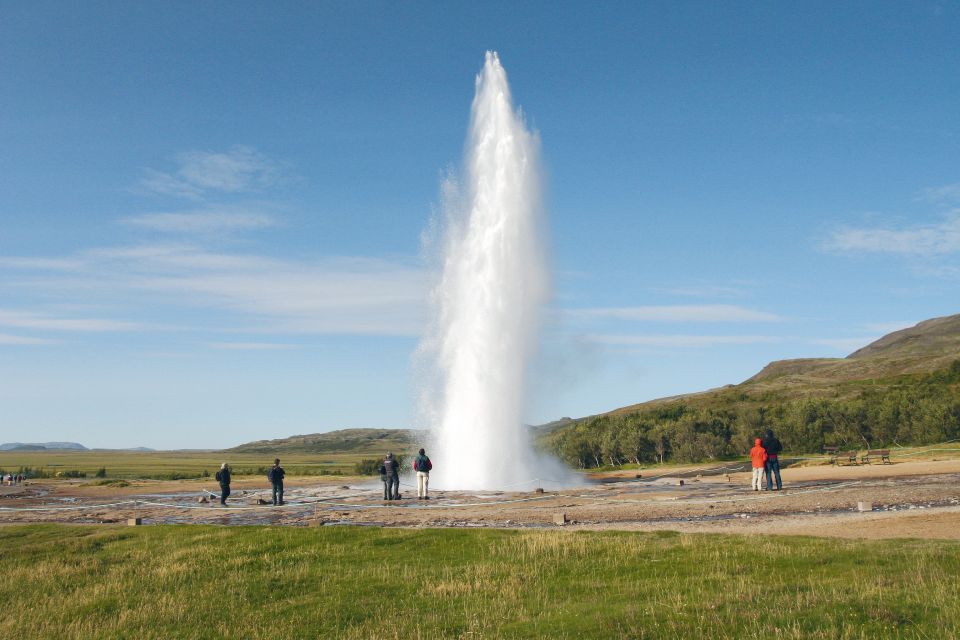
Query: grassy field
[[173, 464], [271, 582]]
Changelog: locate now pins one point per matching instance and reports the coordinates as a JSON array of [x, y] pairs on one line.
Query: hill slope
[[901, 389], [342, 441], [929, 346]]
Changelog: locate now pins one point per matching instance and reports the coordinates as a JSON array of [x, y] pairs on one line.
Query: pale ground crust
[[911, 499]]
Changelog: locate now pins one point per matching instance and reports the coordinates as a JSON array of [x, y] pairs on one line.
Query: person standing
[[223, 477], [773, 448], [392, 471], [276, 475], [422, 465], [385, 479], [758, 459]]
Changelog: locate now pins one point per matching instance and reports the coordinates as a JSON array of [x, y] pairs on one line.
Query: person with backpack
[[275, 475], [422, 465], [385, 479], [773, 448], [392, 474], [223, 477], [758, 459]]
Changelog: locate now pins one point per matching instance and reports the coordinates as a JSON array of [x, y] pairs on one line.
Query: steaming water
[[487, 303]]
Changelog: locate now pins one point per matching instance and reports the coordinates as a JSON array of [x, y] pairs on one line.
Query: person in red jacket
[[758, 458]]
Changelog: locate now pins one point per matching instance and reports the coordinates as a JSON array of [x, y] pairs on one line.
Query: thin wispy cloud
[[10, 340], [345, 295], [679, 313], [934, 239], [681, 341], [944, 271], [702, 291], [43, 322], [218, 220], [53, 264], [944, 195], [198, 173], [252, 346]]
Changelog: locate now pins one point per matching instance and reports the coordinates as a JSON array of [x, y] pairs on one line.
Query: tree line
[[910, 410]]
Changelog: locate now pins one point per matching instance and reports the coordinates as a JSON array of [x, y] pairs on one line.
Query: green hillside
[[901, 389], [359, 441]]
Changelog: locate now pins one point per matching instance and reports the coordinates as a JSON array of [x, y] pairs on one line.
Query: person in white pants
[[757, 483], [758, 456], [422, 465]]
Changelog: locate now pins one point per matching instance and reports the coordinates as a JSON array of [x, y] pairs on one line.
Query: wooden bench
[[831, 453], [850, 457], [883, 454]]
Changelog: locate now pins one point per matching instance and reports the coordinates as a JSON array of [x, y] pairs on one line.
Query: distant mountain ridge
[[42, 446]]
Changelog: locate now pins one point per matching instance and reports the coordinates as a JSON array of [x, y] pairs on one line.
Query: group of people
[[765, 458], [275, 475], [390, 476], [13, 478]]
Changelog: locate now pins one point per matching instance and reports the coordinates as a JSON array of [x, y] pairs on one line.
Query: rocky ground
[[906, 499]]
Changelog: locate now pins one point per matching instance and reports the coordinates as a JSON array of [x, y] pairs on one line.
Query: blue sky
[[211, 216]]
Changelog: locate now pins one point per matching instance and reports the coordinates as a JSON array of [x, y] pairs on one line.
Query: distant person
[[275, 476], [392, 473], [422, 465], [223, 477], [773, 448], [758, 458], [385, 479]]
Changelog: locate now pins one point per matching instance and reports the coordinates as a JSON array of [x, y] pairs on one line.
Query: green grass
[[272, 582], [177, 464]]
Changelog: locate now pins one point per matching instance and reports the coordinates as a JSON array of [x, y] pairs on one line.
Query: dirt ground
[[918, 499]]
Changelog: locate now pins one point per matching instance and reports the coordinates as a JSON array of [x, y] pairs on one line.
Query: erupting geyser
[[487, 302]]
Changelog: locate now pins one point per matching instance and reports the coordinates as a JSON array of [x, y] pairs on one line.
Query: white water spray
[[487, 303]]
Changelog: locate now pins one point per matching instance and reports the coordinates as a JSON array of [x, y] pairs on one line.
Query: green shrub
[[367, 467]]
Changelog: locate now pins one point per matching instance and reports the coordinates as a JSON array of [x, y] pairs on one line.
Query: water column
[[488, 300]]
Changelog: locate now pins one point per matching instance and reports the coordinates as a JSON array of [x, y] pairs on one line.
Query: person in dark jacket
[[422, 465], [385, 479], [392, 472], [773, 448], [223, 477], [275, 476]]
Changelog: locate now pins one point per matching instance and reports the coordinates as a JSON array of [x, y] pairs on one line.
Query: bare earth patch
[[917, 499]]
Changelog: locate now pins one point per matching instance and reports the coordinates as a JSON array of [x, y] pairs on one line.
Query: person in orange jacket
[[758, 457]]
